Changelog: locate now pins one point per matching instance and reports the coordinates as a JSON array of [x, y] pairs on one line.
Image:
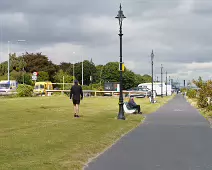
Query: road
[[176, 137]]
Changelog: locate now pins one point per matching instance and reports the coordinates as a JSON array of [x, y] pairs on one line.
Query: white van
[[157, 88], [8, 87]]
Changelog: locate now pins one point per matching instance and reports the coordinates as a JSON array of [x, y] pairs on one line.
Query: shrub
[[204, 92], [209, 108], [97, 87], [85, 87], [202, 101], [183, 90], [191, 93], [24, 90]]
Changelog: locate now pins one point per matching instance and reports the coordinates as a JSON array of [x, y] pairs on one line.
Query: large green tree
[[59, 77], [39, 62], [139, 79], [110, 72], [99, 71], [128, 79], [147, 78], [66, 67], [89, 69], [43, 76], [3, 68]]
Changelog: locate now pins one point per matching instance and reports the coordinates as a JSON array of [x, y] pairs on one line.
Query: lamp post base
[[121, 117], [152, 100], [121, 112]]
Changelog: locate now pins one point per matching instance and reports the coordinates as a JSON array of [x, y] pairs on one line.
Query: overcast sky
[[179, 32]]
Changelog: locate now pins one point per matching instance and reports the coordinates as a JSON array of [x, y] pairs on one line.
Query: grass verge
[[204, 112], [41, 133]]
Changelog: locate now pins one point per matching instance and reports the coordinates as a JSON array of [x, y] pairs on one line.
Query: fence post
[[63, 82]]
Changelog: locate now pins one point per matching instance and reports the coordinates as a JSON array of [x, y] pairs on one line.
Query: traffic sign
[[34, 77], [35, 73]]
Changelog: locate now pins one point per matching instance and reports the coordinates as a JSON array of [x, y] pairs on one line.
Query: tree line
[[22, 67]]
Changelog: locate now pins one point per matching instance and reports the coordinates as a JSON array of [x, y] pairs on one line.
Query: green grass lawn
[[41, 133]]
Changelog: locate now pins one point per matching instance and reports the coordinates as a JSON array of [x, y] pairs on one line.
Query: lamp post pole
[[73, 70], [8, 66], [8, 49], [82, 72], [161, 80], [166, 83], [152, 57], [23, 60], [73, 73], [120, 17]]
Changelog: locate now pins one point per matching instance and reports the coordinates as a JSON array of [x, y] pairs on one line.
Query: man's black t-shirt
[[76, 91]]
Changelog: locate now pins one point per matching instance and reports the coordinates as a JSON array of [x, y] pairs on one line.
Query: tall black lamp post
[[169, 80], [161, 80], [152, 57], [166, 83], [120, 17]]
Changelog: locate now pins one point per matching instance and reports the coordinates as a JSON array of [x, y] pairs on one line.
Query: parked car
[[139, 92]]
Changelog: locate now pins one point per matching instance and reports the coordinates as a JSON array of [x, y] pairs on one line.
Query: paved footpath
[[176, 137]]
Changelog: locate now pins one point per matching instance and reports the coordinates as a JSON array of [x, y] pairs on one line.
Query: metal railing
[[95, 93]]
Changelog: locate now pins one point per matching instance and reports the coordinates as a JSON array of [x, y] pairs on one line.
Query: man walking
[[76, 91]]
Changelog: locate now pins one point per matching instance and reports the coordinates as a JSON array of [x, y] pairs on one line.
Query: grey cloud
[[179, 31], [49, 22], [203, 7]]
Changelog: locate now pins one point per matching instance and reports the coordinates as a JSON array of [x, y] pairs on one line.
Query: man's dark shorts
[[76, 101]]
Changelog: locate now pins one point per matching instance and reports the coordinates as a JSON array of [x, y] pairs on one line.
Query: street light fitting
[[152, 55], [120, 16]]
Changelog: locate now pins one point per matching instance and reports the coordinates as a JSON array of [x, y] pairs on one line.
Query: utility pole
[[161, 81], [166, 83]]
